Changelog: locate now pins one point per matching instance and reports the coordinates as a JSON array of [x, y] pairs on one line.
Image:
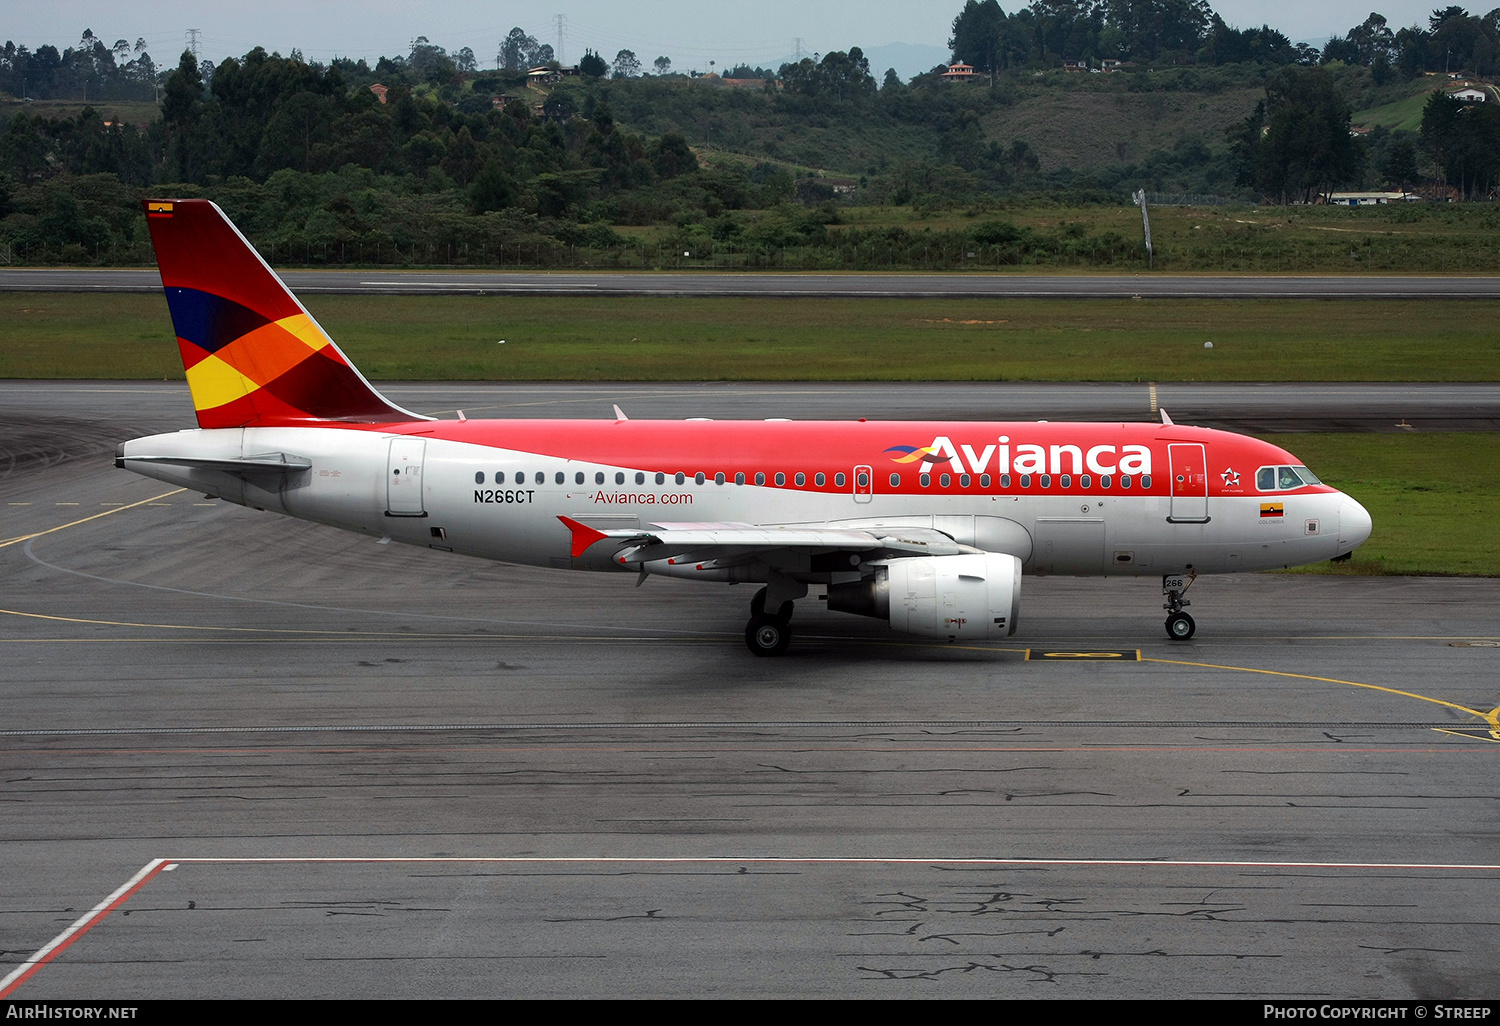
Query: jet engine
[[969, 597]]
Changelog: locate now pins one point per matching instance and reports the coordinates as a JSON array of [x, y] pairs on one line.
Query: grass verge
[[455, 338], [1434, 498]]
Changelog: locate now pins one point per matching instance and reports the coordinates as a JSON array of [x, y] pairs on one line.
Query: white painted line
[[82, 925]]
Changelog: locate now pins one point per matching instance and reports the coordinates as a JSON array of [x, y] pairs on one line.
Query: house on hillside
[[1469, 94], [1075, 65], [543, 76], [1369, 199], [380, 91], [960, 72]]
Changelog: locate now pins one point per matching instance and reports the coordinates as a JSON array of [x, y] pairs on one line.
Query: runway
[[900, 285], [28, 409], [244, 756]]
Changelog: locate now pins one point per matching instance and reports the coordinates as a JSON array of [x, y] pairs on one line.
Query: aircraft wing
[[723, 543]]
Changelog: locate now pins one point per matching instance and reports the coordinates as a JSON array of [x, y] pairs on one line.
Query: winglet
[[583, 535]]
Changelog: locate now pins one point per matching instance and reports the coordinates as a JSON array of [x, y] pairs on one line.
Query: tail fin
[[254, 356]]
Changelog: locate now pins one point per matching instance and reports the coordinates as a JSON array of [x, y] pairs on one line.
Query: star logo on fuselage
[[1231, 477]]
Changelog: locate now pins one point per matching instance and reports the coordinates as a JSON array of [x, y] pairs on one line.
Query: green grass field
[[650, 339], [1434, 498]]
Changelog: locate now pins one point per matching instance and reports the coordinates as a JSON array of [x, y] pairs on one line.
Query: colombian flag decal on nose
[[1270, 510]]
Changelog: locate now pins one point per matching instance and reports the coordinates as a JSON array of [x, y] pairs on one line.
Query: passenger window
[[1145, 480], [1025, 480], [1124, 480], [984, 480], [578, 478], [1046, 480], [661, 478], [838, 480], [864, 479], [561, 477], [780, 480], [895, 480], [1067, 481], [820, 480], [945, 480], [479, 478], [640, 478], [963, 480], [926, 480], [1084, 481], [599, 477], [1004, 480], [718, 479], [801, 480], [760, 479], [739, 479], [1103, 480], [698, 477], [499, 477], [680, 478], [541, 478], [619, 477]]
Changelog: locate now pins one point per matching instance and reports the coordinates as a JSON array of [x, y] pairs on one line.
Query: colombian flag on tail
[[253, 356]]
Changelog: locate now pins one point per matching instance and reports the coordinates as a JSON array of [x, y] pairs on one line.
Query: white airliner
[[929, 526]]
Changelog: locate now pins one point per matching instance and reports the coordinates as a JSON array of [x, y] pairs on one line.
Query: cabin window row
[[1064, 481]]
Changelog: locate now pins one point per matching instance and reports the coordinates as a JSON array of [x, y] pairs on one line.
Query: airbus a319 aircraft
[[928, 526]]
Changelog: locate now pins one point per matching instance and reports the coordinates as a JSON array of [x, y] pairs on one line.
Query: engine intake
[[956, 597]]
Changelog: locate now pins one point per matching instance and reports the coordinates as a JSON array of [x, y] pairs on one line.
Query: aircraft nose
[[1354, 524]]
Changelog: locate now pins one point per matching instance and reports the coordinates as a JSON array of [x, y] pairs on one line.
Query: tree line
[[1046, 32], [470, 162]]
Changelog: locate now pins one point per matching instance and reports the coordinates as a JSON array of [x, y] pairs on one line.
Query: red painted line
[[81, 926]]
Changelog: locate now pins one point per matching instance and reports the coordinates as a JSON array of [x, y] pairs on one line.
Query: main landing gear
[[1180, 626], [768, 634]]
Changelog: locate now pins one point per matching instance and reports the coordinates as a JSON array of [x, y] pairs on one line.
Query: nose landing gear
[[1180, 625]]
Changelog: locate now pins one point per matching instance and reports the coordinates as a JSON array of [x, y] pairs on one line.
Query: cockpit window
[[1278, 479]]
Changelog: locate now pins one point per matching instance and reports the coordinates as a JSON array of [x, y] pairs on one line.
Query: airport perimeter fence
[[1366, 252]]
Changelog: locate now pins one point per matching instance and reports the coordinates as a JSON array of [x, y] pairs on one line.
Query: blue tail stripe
[[208, 321]]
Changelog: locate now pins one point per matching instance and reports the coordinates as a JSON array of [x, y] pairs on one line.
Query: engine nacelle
[[957, 597]]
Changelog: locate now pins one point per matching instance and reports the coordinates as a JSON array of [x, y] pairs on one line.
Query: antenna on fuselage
[[1164, 418], [619, 414]]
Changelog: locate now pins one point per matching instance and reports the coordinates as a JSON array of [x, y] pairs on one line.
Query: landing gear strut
[[1180, 626], [768, 634]]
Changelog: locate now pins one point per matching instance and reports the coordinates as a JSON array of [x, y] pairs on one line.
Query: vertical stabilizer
[[254, 356]]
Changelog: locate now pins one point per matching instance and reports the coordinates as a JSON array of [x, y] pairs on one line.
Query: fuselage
[[1064, 498]]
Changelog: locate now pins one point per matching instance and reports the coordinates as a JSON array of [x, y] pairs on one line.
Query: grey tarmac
[[375, 771], [970, 285]]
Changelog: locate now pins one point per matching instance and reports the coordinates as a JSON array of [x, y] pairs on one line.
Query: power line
[[562, 25]]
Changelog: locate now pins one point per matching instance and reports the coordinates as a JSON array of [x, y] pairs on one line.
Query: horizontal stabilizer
[[263, 463]]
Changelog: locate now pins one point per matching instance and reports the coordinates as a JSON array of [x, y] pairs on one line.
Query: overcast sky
[[691, 32]]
